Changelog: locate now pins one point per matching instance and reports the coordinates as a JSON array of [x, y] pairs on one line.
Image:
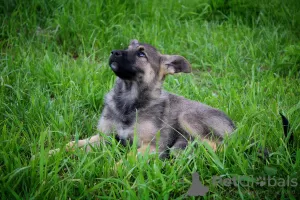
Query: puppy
[[138, 104]]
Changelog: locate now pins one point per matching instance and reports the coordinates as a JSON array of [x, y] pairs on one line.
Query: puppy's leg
[[197, 129], [88, 142], [105, 126], [143, 149], [92, 141]]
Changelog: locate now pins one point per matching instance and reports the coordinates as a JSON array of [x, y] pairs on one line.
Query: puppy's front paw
[[70, 146], [131, 157]]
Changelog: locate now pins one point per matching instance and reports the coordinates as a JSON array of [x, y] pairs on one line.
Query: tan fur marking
[[196, 133], [187, 127], [143, 149], [162, 72], [146, 131], [211, 143], [149, 74], [94, 140]]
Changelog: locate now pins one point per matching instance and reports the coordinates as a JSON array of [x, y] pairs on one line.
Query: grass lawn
[[54, 74]]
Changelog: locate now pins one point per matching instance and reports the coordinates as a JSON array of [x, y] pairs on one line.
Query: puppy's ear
[[174, 64], [134, 43]]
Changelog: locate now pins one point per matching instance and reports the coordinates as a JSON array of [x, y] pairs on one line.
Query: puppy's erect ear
[[134, 43], [175, 64]]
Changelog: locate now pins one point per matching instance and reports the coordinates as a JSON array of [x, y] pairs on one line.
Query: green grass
[[54, 75]]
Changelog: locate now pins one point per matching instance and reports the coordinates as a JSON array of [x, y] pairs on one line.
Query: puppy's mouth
[[123, 72], [114, 66], [123, 68]]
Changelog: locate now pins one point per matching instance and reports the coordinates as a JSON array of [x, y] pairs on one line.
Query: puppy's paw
[[130, 157], [70, 146]]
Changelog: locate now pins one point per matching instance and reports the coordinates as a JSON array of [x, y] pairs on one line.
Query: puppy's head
[[143, 63]]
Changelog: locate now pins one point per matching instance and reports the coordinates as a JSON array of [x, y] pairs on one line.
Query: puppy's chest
[[144, 130], [145, 122]]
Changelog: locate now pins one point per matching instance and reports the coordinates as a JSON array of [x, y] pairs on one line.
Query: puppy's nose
[[116, 53]]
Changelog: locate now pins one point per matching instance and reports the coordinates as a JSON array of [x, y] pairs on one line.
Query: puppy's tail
[[286, 129], [287, 134]]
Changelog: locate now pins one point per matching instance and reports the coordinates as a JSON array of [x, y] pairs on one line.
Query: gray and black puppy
[[137, 104]]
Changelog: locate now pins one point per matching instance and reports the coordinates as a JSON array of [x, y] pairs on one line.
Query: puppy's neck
[[137, 93]]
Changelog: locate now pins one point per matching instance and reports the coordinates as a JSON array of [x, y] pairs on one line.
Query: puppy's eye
[[141, 54]]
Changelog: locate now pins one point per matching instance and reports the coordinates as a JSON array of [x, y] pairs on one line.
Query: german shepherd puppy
[[137, 104]]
